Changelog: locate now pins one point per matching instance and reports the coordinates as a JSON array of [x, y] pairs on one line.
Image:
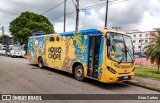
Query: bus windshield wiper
[[121, 48], [121, 60], [127, 50]]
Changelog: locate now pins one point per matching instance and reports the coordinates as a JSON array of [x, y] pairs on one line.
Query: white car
[[16, 53], [3, 51]]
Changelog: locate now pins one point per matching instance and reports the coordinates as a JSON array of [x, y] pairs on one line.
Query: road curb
[[151, 87]]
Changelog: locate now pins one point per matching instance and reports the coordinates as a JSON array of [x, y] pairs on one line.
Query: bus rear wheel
[[79, 73], [40, 63]]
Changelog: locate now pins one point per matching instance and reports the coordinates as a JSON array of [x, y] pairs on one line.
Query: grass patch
[[147, 72]]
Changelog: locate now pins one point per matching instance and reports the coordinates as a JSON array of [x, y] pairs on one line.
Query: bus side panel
[[30, 50], [101, 58], [104, 73], [69, 49], [54, 51], [81, 42], [36, 48], [68, 53], [60, 54]]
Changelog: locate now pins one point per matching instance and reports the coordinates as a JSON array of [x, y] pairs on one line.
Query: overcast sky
[[140, 15]]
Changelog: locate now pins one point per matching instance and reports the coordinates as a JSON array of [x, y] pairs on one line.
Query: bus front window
[[121, 46]]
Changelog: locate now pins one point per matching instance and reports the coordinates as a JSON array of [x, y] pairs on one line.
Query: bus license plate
[[124, 78]]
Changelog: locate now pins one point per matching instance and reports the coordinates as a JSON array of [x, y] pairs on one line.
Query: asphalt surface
[[18, 76]]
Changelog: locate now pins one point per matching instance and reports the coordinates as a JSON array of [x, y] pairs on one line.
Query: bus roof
[[90, 32]]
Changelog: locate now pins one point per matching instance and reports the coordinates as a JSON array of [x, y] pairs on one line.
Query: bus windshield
[[121, 46]]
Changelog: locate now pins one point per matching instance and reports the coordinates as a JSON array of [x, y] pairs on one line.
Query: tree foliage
[[4, 38], [152, 50], [27, 23]]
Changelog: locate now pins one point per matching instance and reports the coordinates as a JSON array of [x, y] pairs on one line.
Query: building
[[140, 40]]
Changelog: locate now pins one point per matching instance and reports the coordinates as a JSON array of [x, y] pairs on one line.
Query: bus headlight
[[111, 70]]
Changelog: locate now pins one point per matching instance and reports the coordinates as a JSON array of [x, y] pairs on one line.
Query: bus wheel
[[40, 63], [79, 73]]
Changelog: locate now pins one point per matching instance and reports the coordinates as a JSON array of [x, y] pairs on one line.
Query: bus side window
[[97, 45], [92, 44], [94, 47]]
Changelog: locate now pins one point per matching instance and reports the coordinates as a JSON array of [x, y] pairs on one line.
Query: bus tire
[[40, 63], [79, 73]]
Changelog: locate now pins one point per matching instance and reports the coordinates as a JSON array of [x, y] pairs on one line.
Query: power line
[[117, 1], [53, 7], [67, 14], [74, 11], [103, 4], [90, 7], [74, 3]]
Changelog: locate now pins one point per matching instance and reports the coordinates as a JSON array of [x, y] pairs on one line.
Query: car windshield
[[16, 48], [121, 46]]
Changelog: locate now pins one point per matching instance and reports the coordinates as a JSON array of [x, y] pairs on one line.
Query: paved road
[[18, 76]]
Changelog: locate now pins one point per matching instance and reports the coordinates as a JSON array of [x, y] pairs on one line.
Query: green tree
[[1, 39], [26, 24], [152, 50], [4, 38]]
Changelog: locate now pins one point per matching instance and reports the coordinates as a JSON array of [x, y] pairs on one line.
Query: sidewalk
[[146, 83]]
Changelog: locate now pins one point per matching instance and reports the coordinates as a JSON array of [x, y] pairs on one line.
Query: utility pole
[[64, 29], [106, 19], [77, 15], [2, 30]]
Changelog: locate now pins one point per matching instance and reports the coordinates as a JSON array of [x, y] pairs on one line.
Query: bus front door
[[94, 50]]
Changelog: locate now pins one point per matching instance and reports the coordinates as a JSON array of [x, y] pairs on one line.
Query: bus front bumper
[[118, 78]]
